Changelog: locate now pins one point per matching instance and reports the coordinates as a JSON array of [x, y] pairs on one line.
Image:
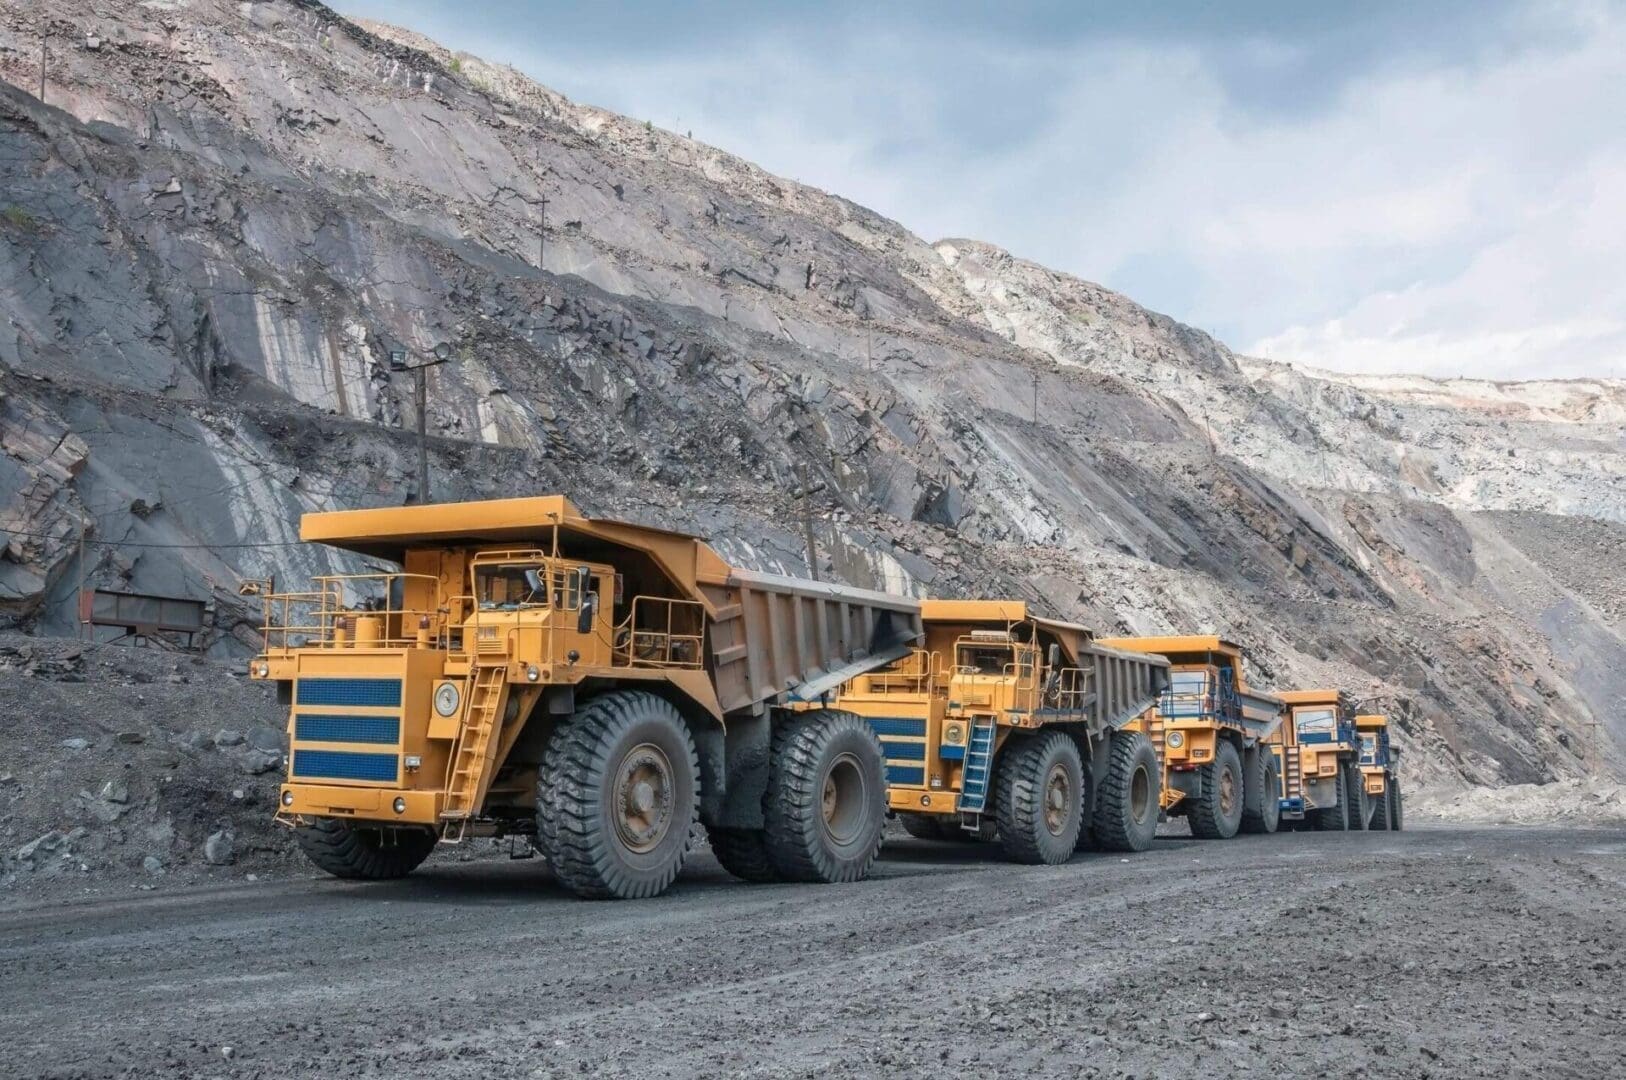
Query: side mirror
[[533, 580], [586, 602], [1053, 657]]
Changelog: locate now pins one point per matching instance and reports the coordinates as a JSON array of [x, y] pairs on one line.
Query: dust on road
[[1434, 952]]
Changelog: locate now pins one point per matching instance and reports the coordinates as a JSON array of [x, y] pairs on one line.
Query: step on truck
[[1006, 725], [1208, 728], [591, 686], [1338, 769]]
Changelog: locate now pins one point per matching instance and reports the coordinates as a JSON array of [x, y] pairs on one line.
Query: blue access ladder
[[979, 760]]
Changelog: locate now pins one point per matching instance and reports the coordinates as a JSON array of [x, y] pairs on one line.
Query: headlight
[[400, 805], [446, 699], [287, 798], [533, 673], [1176, 740]]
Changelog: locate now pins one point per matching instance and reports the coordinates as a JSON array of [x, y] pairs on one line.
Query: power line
[[175, 547]]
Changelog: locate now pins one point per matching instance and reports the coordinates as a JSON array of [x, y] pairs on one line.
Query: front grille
[[348, 729], [380, 693], [343, 765]]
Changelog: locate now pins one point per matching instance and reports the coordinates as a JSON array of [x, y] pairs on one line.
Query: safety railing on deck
[[1208, 698], [661, 632], [349, 610], [1066, 690], [920, 672]]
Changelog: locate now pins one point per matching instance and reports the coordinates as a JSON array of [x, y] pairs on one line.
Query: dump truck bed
[[1126, 684], [770, 638]]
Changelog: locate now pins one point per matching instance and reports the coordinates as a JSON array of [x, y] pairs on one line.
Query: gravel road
[[1434, 952]]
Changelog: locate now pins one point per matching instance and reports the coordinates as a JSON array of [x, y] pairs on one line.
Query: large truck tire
[[744, 853], [925, 826], [1397, 816], [1360, 803], [1216, 812], [1261, 797], [1127, 804], [348, 849], [1335, 818], [826, 801], [617, 797], [1038, 799], [1383, 807]]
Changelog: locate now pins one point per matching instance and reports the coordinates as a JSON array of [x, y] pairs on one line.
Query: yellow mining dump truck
[[1338, 768], [590, 685], [1005, 724], [1208, 728]]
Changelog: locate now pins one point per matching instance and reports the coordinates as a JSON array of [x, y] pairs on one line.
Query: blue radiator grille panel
[[904, 776], [904, 751], [383, 693], [342, 765], [900, 725], [361, 729]]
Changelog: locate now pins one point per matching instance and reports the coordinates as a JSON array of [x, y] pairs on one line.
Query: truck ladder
[[974, 779], [472, 758], [1293, 786]]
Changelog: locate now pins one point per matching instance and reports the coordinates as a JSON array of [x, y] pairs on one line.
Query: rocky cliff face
[[228, 214]]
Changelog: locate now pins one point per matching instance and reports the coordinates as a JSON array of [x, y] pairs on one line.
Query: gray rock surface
[[227, 215]]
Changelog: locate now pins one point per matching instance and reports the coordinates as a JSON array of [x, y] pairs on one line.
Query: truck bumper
[[372, 804], [922, 801]]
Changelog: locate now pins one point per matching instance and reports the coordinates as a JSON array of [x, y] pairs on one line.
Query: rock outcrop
[[227, 216]]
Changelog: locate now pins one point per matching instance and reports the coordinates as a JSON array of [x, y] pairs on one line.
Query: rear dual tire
[[1126, 806], [1261, 798]]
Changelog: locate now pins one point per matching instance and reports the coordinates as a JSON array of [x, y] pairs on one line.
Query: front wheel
[[825, 805], [1216, 813], [354, 850], [1360, 803], [1038, 799], [617, 796], [1335, 818]]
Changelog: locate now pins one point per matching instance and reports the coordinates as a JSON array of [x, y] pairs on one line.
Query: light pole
[[398, 362], [542, 238]]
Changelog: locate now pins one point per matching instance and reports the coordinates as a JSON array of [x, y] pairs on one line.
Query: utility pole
[[421, 398], [1035, 397], [542, 238], [806, 492], [420, 393], [79, 601], [45, 35]]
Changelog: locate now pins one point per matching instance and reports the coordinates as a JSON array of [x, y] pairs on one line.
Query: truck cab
[[1207, 727]]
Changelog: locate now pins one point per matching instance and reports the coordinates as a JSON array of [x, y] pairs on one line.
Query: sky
[[1424, 188]]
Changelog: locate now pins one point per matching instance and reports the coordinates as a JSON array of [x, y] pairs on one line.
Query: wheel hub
[[1227, 792], [643, 797], [842, 799], [1057, 797]]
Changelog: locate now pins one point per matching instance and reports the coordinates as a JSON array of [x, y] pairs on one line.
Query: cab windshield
[[1315, 721], [510, 588], [982, 659]]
